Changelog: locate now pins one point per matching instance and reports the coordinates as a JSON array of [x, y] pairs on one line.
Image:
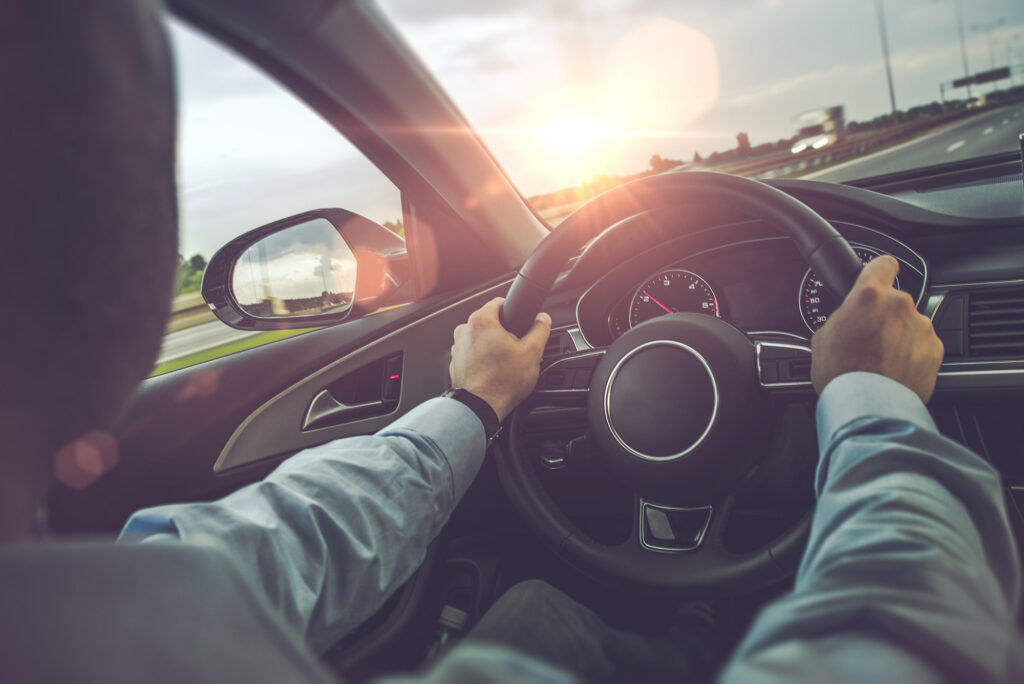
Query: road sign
[[983, 77]]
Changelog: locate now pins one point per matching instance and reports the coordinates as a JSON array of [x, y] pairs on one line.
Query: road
[[198, 338], [987, 133]]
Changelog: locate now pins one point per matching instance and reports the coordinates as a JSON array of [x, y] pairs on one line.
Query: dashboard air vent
[[995, 323]]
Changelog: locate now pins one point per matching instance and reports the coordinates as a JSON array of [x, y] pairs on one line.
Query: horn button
[[676, 409]]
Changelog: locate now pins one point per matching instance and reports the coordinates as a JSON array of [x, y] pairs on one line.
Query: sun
[[577, 133]]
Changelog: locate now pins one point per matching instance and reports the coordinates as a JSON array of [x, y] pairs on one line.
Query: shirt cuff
[[454, 429], [867, 395]]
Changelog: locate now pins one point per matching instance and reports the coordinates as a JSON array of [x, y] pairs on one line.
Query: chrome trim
[[757, 333], [661, 549], [959, 373], [982, 363], [932, 306], [577, 357], [324, 406], [924, 263], [989, 283], [578, 340], [636, 292], [608, 396], [757, 354]]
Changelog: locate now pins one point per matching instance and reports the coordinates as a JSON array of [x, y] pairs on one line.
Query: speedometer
[[817, 302], [672, 291]]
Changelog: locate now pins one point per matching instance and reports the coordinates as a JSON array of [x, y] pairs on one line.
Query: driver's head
[[88, 218]]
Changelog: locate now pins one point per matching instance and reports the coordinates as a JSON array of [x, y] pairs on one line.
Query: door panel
[[249, 407], [275, 428]]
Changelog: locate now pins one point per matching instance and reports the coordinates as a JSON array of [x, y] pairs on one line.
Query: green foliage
[[660, 164], [396, 227], [190, 273]]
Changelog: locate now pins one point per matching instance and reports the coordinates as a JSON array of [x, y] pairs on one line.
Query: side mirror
[[308, 270]]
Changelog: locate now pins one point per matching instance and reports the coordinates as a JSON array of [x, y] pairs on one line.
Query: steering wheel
[[677, 408]]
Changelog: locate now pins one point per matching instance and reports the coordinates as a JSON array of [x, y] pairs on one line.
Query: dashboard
[[745, 273]]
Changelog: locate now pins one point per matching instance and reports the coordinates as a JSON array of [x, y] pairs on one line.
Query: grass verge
[[225, 349]]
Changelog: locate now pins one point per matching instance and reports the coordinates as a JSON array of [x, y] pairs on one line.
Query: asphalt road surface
[[198, 338], [988, 133]]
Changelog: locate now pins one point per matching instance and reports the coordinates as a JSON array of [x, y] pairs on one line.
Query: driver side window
[[249, 152]]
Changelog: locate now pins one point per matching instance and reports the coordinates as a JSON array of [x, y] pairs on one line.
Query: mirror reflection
[[303, 270]]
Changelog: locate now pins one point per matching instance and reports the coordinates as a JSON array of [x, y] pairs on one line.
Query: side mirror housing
[[313, 269]]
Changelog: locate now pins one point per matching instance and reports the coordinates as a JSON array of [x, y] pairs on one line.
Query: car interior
[[595, 505]]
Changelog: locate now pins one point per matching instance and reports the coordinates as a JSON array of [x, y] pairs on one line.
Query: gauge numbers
[[816, 301], [672, 291]]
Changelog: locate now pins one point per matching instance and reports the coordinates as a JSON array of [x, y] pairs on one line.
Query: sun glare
[[578, 133], [643, 94]]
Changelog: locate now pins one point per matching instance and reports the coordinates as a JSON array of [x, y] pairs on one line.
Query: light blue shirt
[[910, 574]]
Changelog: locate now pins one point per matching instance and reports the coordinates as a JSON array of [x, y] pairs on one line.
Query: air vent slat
[[995, 323], [1001, 311], [991, 334], [1009, 322]]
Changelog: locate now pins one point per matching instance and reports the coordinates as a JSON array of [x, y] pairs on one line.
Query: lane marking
[[955, 146], [1006, 121], [987, 130]]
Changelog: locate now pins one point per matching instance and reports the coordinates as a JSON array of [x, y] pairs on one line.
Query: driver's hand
[[494, 364], [878, 329]]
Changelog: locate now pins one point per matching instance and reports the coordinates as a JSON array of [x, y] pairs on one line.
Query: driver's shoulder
[[121, 612]]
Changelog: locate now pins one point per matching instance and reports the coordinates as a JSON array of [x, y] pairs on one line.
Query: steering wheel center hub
[[676, 410], [661, 400]]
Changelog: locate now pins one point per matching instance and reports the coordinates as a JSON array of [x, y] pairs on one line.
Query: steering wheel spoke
[[672, 529], [566, 380], [783, 366]]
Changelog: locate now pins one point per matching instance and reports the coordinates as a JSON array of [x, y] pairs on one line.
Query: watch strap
[[481, 409]]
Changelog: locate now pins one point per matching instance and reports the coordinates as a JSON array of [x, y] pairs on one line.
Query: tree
[[659, 163], [697, 158], [190, 273], [742, 144]]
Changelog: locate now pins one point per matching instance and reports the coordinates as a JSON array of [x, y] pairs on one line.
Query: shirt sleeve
[[336, 529], [911, 570]]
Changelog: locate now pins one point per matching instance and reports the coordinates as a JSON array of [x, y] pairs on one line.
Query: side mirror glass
[[306, 269]]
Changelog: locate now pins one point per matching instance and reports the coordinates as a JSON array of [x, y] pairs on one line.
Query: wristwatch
[[480, 408]]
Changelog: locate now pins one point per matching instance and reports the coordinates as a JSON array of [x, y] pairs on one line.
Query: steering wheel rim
[[709, 569]]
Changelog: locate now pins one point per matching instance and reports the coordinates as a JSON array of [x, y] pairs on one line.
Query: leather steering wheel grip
[[821, 246]]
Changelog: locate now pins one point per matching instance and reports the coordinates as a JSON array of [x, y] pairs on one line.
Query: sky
[[672, 77], [562, 90]]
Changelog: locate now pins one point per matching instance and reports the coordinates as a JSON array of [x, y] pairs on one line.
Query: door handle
[[325, 410]]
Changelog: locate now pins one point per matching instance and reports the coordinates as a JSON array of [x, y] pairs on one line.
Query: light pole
[[880, 12], [959, 8]]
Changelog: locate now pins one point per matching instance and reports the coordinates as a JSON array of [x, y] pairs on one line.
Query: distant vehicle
[[819, 128]]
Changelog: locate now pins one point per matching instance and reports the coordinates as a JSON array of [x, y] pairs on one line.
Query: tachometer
[[816, 301], [672, 291]]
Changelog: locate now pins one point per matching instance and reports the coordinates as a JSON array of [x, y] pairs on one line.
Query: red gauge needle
[[658, 303]]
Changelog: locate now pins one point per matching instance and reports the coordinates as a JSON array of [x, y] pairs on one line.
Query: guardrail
[[189, 310], [784, 162]]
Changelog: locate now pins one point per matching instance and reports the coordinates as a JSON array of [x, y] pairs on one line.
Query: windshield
[[574, 96]]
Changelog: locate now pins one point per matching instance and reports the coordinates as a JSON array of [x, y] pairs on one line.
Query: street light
[[959, 7], [880, 12]]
